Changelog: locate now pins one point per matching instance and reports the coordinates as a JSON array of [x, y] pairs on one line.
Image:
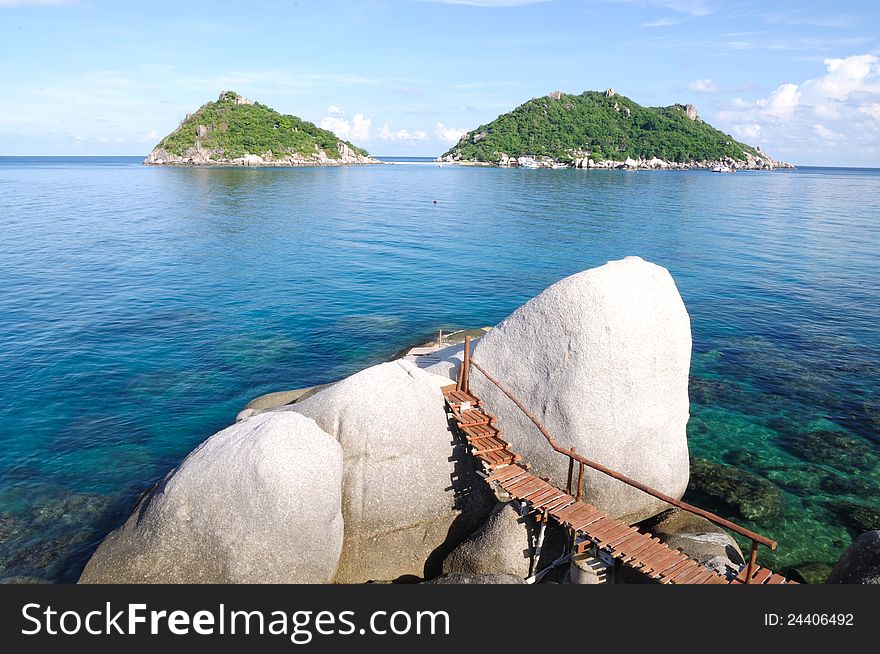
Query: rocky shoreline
[[363, 480], [197, 156], [654, 163]]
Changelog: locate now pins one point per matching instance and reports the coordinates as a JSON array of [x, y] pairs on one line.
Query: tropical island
[[604, 130], [236, 131]]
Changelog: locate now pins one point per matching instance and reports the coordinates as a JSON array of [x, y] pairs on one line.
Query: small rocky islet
[[596, 130], [605, 130], [236, 131], [364, 480]]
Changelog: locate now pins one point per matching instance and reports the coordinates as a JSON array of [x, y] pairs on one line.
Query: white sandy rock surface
[[410, 492], [259, 502], [602, 359]]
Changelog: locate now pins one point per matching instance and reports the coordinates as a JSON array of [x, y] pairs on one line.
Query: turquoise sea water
[[141, 308]]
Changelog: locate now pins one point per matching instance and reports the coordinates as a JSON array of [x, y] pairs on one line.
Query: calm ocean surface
[[141, 308]]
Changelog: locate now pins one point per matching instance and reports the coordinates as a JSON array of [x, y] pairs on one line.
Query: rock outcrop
[[259, 502], [700, 539], [860, 564], [410, 492], [503, 545], [602, 359]]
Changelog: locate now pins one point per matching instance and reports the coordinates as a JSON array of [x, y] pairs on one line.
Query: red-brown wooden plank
[[697, 574], [762, 576], [595, 520], [618, 545], [524, 484], [610, 534], [611, 542], [563, 514], [654, 571], [644, 549], [701, 577], [507, 474], [584, 517], [778, 579], [540, 496], [655, 562], [684, 572], [551, 501]]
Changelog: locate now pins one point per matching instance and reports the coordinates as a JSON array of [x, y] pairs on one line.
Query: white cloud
[[827, 96], [151, 137], [448, 134], [846, 76], [356, 130], [386, 134], [840, 105], [333, 110], [750, 131], [783, 102], [826, 134], [872, 110], [663, 22], [703, 86]]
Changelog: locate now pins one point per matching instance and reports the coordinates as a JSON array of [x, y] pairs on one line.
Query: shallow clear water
[[141, 308]]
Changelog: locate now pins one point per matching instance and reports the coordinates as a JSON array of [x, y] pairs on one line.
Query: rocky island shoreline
[[605, 131], [364, 480], [236, 131]]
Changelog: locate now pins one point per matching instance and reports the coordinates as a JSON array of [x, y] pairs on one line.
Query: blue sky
[[406, 77]]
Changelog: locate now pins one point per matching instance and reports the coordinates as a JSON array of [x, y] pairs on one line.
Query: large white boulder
[[505, 545], [602, 359], [259, 502], [410, 492]]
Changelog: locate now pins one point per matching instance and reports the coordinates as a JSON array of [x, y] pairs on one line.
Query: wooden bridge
[[592, 530]]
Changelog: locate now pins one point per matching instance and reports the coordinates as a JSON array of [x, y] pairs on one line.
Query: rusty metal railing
[[463, 383]]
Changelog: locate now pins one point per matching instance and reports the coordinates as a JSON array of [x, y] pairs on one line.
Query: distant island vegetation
[[604, 129], [591, 130], [236, 131]]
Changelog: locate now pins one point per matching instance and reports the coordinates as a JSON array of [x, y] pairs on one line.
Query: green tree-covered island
[[604, 130], [237, 131]]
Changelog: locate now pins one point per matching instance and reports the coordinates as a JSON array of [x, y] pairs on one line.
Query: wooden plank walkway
[[592, 527]]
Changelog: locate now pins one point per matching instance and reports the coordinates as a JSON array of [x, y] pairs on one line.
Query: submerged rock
[[258, 502], [282, 398], [860, 564], [752, 497], [410, 491], [850, 484], [809, 572], [602, 359], [856, 516], [833, 447]]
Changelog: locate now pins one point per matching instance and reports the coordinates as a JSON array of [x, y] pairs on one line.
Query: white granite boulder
[[410, 492], [602, 359], [501, 546], [505, 545], [259, 502]]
